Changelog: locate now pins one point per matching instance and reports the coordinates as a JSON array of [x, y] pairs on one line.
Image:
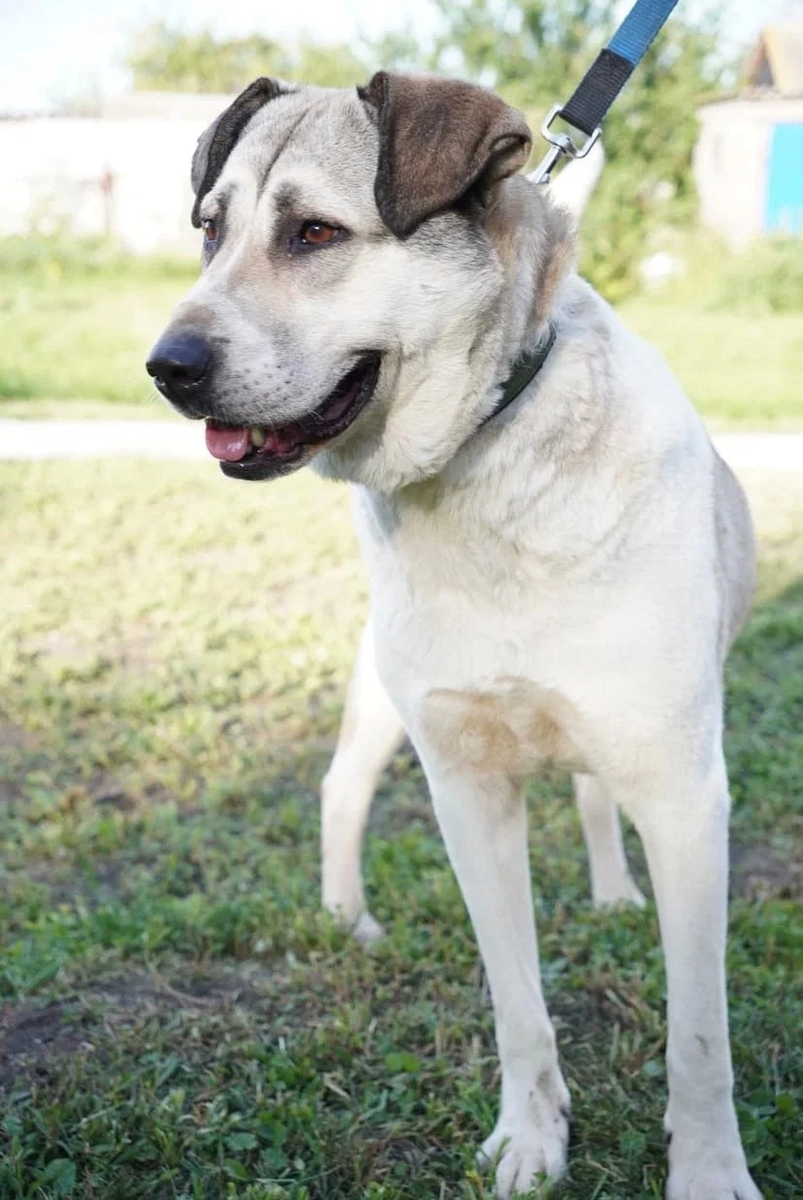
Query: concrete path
[[185, 440], [102, 439]]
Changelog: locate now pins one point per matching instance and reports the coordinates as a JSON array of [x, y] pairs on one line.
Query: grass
[[739, 370], [149, 408], [79, 319], [180, 1021]]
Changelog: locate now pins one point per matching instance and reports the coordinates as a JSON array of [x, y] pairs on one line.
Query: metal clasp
[[560, 144]]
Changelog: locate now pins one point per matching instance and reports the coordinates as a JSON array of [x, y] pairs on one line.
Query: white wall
[[51, 171]]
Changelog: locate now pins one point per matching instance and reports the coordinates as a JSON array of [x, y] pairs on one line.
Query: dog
[[558, 559]]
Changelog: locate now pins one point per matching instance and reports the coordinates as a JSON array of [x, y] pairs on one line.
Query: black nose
[[179, 364]]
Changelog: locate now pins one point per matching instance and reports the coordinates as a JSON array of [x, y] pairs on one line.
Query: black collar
[[524, 370]]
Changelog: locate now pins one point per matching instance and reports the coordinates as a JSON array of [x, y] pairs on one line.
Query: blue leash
[[602, 83]]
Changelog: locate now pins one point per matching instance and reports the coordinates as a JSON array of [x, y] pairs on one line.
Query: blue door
[[784, 210]]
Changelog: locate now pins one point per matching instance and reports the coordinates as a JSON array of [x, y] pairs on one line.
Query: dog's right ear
[[217, 142]]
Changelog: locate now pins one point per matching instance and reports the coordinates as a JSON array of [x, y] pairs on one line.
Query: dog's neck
[[525, 369], [535, 242]]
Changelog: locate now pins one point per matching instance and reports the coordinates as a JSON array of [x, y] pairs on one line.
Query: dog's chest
[[471, 629], [511, 725]]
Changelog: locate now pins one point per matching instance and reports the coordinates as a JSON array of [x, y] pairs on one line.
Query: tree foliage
[[165, 58]]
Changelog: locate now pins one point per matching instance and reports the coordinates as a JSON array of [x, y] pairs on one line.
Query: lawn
[[180, 1021], [78, 321]]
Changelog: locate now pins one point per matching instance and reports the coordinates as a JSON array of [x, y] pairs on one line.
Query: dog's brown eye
[[210, 230], [318, 233]]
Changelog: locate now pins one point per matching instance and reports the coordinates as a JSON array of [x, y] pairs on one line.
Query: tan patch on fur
[[514, 211], [557, 266], [194, 316], [426, 495], [510, 213], [516, 728]]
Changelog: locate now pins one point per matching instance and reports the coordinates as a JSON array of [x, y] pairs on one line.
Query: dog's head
[[354, 296]]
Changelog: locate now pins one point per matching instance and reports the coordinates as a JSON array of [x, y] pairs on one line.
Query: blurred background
[[701, 198]]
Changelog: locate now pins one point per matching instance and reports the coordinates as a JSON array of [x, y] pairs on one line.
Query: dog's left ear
[[217, 142], [439, 141]]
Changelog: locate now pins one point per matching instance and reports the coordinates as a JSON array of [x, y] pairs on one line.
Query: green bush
[[766, 278]]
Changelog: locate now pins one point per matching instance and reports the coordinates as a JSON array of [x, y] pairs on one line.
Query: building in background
[[124, 174], [748, 163]]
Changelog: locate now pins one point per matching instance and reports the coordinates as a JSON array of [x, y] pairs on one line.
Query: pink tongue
[[227, 442]]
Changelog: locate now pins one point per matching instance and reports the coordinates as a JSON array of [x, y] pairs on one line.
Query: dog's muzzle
[[180, 366]]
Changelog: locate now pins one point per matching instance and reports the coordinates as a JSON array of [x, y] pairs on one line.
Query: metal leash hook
[[560, 144], [602, 83]]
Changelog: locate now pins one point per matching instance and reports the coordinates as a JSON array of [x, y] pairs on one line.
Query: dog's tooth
[[257, 436]]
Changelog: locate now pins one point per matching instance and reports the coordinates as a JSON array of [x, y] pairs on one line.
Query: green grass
[[78, 321], [149, 408], [180, 1021], [738, 369]]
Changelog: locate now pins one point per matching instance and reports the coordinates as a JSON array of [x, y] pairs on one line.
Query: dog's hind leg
[[370, 733], [611, 881]]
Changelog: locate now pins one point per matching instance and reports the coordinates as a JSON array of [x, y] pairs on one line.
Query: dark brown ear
[[217, 142], [439, 139]]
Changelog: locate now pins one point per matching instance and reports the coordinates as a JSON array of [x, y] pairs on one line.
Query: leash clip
[[560, 143]]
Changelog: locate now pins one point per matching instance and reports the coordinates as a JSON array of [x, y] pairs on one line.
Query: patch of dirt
[[34, 1038], [245, 985], [16, 746], [136, 652], [32, 1035], [382, 1148], [106, 792], [590, 1015], [761, 872], [84, 654], [14, 737], [66, 885]]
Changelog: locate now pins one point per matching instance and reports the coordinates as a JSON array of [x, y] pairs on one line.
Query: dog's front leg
[[684, 828], [484, 825]]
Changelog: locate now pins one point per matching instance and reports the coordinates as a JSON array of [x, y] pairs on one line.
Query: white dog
[[558, 558]]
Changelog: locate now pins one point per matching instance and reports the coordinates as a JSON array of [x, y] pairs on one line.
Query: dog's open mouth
[[264, 451]]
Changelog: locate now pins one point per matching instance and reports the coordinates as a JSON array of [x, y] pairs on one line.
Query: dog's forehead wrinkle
[[325, 134], [275, 150]]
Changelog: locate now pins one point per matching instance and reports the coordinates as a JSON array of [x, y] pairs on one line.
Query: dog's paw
[[526, 1156], [366, 930], [710, 1174], [613, 892], [362, 927]]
